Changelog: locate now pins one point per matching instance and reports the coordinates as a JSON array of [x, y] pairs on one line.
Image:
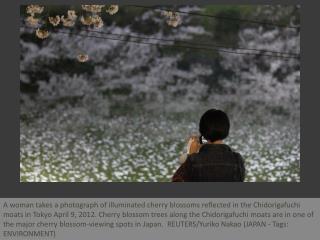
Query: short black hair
[[214, 125]]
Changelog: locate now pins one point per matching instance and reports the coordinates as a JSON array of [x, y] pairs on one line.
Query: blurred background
[[125, 113]]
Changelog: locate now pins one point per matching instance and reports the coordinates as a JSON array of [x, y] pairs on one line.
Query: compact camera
[[193, 146]]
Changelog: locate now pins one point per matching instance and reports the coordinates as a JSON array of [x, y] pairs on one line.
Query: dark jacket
[[213, 163]]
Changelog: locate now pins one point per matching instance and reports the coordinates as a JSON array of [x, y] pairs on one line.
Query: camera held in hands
[[194, 144]]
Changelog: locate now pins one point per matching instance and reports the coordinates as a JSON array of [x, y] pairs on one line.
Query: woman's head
[[214, 125]]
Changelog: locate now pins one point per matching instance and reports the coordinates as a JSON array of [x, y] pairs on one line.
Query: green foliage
[[226, 31], [244, 10], [230, 11]]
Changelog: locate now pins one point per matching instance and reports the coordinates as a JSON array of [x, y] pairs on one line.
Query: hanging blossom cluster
[[173, 18], [42, 34], [32, 10], [93, 8], [69, 21], [83, 57], [54, 20], [112, 9], [94, 20], [32, 21]]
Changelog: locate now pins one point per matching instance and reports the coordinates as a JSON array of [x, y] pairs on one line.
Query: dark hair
[[214, 125]]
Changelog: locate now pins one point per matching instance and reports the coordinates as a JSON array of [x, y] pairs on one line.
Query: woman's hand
[[193, 145]]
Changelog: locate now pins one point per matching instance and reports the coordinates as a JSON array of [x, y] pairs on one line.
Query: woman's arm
[[179, 175], [183, 172]]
